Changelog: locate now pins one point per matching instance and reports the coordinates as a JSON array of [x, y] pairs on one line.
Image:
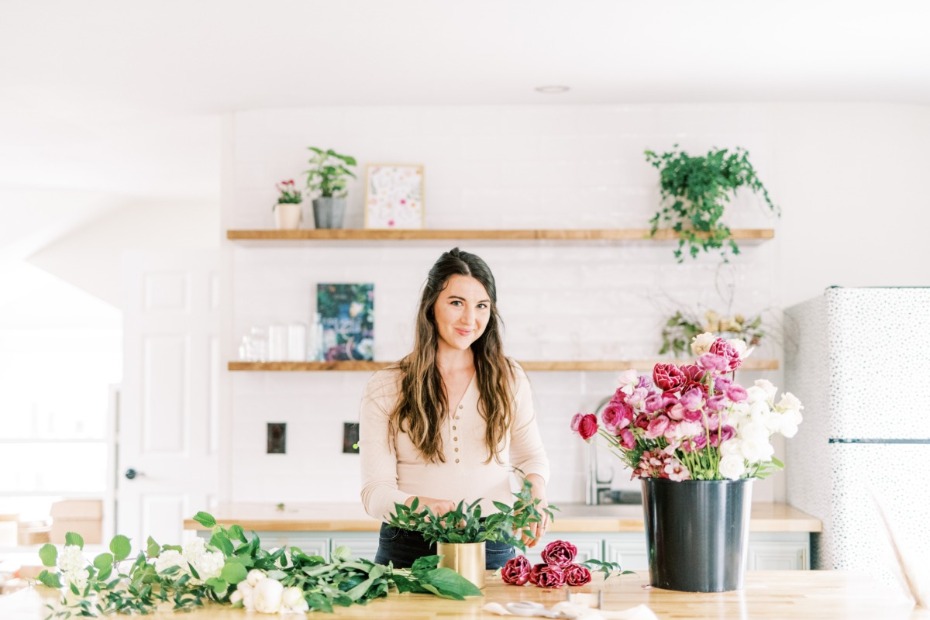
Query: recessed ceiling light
[[552, 90]]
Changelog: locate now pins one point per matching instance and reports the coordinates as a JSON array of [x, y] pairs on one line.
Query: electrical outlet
[[277, 438], [350, 438]]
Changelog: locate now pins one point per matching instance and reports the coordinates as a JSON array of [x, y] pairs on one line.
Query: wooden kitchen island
[[768, 595], [780, 535]]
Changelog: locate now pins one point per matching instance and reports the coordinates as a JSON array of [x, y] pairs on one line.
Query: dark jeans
[[402, 547]]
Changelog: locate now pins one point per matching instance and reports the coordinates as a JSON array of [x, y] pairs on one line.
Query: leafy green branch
[[467, 523], [199, 573]]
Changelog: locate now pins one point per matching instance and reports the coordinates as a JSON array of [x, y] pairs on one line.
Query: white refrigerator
[[859, 360]]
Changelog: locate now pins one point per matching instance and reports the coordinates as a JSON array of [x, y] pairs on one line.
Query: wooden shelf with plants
[[746, 235], [541, 366]]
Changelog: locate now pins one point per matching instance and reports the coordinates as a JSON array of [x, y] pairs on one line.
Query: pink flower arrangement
[[692, 421], [557, 568]]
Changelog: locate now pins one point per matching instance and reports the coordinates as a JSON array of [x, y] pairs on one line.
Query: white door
[[168, 420]]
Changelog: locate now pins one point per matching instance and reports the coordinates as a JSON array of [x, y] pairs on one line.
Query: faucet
[[598, 488]]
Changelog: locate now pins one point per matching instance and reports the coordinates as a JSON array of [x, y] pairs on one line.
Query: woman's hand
[[438, 506], [537, 530]]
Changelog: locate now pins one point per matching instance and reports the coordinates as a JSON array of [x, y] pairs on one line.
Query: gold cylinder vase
[[467, 559]]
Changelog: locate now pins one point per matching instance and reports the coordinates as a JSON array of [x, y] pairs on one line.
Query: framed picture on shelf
[[394, 196], [347, 314]]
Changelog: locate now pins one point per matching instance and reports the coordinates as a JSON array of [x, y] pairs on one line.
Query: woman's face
[[461, 312]]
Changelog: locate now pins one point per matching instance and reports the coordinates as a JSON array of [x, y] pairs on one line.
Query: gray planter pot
[[697, 533], [328, 212]]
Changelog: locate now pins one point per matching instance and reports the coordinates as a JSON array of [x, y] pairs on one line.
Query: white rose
[[756, 450], [267, 596], [732, 466], [255, 576], [700, 344], [292, 601], [731, 446]]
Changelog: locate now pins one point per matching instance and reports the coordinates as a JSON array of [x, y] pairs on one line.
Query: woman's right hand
[[438, 506]]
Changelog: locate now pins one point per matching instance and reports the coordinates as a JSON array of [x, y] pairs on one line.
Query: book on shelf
[[347, 314]]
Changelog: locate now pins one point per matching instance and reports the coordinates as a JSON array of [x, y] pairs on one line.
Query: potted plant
[[460, 535], [696, 439], [328, 174], [695, 190], [287, 209]]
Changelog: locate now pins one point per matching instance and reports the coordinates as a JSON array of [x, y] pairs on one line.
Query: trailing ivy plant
[[467, 524], [231, 569], [695, 190]]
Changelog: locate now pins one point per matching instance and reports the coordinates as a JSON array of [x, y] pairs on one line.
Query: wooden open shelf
[[566, 234], [551, 366]]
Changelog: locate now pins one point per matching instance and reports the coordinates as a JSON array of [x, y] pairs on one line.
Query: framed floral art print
[[394, 196]]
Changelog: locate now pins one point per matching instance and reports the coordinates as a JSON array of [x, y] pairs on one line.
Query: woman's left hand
[[537, 530]]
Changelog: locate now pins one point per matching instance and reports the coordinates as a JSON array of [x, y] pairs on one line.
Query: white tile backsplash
[[485, 167]]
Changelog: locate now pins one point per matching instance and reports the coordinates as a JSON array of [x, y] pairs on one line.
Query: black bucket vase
[[697, 533], [328, 212]]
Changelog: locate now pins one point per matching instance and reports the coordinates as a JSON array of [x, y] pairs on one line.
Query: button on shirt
[[393, 469]]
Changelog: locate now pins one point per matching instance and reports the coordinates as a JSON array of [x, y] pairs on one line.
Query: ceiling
[[118, 101]]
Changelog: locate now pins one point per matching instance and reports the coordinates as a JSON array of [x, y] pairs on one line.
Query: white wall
[[849, 207]]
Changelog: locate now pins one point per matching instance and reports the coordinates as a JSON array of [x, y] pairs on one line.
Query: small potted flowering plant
[[696, 438], [287, 209]]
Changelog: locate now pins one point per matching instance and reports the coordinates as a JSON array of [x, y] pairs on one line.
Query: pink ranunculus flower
[[577, 575], [692, 399], [668, 377], [712, 362], [737, 393], [516, 571], [585, 424], [547, 576], [617, 415], [559, 553], [627, 439], [657, 427]]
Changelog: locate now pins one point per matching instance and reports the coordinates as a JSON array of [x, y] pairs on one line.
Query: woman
[[453, 419]]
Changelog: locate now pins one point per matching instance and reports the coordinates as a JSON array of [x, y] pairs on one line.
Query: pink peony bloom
[[692, 399], [713, 362], [727, 351], [737, 393], [559, 553], [547, 576], [657, 427], [577, 575], [668, 377], [516, 571]]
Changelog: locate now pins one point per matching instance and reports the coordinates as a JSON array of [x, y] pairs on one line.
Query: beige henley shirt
[[393, 470]]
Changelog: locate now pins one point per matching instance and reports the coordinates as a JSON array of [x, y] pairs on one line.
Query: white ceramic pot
[[287, 216]]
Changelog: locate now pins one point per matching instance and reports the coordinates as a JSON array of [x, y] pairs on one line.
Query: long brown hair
[[422, 405]]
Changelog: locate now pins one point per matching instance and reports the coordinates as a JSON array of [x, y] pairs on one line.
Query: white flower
[[700, 344], [768, 388], [686, 430], [789, 402], [70, 559], [293, 602], [628, 380], [790, 420], [266, 596], [742, 349], [755, 446], [731, 446], [732, 466], [245, 593], [255, 576], [170, 558], [207, 564]]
